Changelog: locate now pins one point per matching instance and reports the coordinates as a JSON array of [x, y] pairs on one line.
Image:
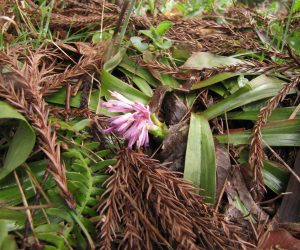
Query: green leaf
[[275, 176], [163, 27], [219, 89], [204, 60], [279, 133], [164, 44], [3, 232], [59, 97], [115, 60], [168, 80], [81, 125], [240, 206], [14, 220], [139, 82], [22, 143], [100, 36], [277, 114], [112, 83], [136, 69], [9, 191], [296, 6], [138, 44], [9, 243], [49, 228], [61, 213], [103, 164], [6, 241], [214, 79], [200, 159], [294, 40], [52, 238], [259, 88]]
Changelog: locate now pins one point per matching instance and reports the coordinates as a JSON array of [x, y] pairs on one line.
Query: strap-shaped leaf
[[200, 159], [112, 83], [279, 133], [22, 143], [259, 88], [6, 241]]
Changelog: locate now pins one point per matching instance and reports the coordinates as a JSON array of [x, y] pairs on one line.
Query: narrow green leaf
[[3, 232], [115, 60], [240, 206], [279, 133], [53, 238], [82, 124], [275, 176], [138, 44], [163, 27], [141, 83], [9, 243], [61, 213], [259, 88], [214, 79], [59, 97], [6, 241], [48, 228], [21, 144], [103, 164], [200, 159], [277, 114], [136, 69], [15, 220], [112, 83], [168, 80]]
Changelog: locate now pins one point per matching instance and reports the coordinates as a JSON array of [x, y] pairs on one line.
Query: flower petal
[[134, 124]]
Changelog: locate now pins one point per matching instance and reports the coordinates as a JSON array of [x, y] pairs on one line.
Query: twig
[[29, 216], [283, 162]]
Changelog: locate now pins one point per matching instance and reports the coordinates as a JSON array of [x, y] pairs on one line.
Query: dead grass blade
[[143, 196], [21, 88]]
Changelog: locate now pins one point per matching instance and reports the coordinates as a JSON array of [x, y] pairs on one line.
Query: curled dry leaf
[[174, 146], [174, 109]]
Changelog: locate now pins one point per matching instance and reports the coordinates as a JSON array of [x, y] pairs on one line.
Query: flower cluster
[[134, 124]]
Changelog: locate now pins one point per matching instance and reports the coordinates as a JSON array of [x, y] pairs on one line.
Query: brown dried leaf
[[236, 187], [289, 210], [174, 146], [278, 239]]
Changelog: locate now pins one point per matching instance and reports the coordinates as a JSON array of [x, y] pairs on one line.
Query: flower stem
[[159, 130]]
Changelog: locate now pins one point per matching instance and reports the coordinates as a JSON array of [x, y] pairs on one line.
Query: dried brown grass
[[146, 206], [21, 88]]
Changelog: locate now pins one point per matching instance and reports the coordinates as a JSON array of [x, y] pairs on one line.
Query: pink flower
[[134, 124]]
